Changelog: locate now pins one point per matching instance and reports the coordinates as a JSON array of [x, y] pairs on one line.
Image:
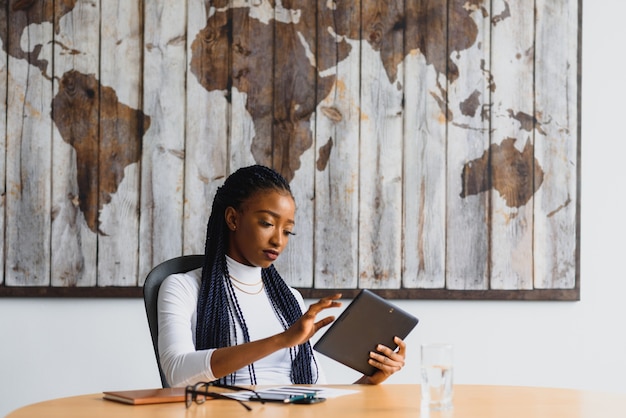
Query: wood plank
[[244, 65], [469, 96], [4, 58], [207, 119], [296, 85], [380, 173], [295, 264], [337, 143], [76, 48], [511, 153], [163, 152], [557, 96], [424, 167], [252, 28], [121, 130], [251, 66], [28, 143]]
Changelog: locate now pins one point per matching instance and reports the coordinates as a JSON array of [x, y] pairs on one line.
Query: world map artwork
[[231, 52]]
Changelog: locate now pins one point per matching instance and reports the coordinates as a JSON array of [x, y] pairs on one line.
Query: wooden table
[[386, 400]]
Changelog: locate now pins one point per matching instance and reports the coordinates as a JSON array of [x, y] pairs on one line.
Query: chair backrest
[[151, 288]]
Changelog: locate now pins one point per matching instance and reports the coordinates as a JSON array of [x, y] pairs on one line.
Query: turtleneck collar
[[243, 273]]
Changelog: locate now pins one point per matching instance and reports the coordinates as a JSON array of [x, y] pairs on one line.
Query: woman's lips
[[272, 255]]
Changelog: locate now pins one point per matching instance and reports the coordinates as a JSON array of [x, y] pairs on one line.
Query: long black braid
[[218, 308]]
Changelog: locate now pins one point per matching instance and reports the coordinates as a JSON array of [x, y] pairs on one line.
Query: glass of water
[[436, 371]]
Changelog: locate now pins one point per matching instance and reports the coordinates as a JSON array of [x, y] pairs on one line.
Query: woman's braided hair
[[217, 316]]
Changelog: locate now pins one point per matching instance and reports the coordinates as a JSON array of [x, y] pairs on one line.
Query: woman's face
[[260, 230]]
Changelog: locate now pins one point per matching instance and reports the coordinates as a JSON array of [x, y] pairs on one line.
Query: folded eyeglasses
[[199, 392]]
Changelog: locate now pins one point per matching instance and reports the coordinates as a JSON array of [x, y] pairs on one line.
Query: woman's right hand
[[305, 327]]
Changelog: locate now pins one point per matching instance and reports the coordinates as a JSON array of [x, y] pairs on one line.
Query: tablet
[[369, 320]]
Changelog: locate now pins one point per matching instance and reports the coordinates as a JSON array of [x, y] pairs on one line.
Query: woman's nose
[[277, 238]]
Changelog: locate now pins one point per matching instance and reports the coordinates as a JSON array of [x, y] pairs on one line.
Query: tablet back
[[368, 321]]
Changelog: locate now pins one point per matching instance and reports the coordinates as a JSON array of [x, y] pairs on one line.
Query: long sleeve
[[181, 363]]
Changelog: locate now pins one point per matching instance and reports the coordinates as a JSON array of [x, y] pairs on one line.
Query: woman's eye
[[265, 223], [290, 233]]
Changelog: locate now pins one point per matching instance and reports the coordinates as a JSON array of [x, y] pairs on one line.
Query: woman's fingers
[[308, 324], [324, 322], [325, 303], [387, 359], [401, 346]]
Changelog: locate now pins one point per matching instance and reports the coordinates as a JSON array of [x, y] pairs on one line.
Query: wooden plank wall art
[[433, 146]]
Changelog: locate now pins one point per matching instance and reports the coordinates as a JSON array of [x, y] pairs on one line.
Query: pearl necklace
[[233, 280]]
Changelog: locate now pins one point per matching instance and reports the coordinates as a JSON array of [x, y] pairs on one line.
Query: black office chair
[[151, 287]]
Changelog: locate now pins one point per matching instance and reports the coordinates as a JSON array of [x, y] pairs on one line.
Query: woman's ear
[[230, 216]]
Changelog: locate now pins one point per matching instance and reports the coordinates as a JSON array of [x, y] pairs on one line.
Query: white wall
[[61, 347]]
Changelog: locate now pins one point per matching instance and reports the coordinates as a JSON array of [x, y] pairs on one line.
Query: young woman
[[236, 320]]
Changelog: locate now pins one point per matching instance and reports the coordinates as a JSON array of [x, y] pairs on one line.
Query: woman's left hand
[[386, 361]]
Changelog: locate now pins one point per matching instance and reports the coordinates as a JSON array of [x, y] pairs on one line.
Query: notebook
[[146, 396], [369, 320]]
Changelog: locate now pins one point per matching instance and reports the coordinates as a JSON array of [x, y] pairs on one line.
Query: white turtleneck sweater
[[177, 316]]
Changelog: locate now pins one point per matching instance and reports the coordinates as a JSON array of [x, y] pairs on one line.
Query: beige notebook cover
[[146, 396]]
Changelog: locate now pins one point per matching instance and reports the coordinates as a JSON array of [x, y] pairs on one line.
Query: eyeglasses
[[200, 391]]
